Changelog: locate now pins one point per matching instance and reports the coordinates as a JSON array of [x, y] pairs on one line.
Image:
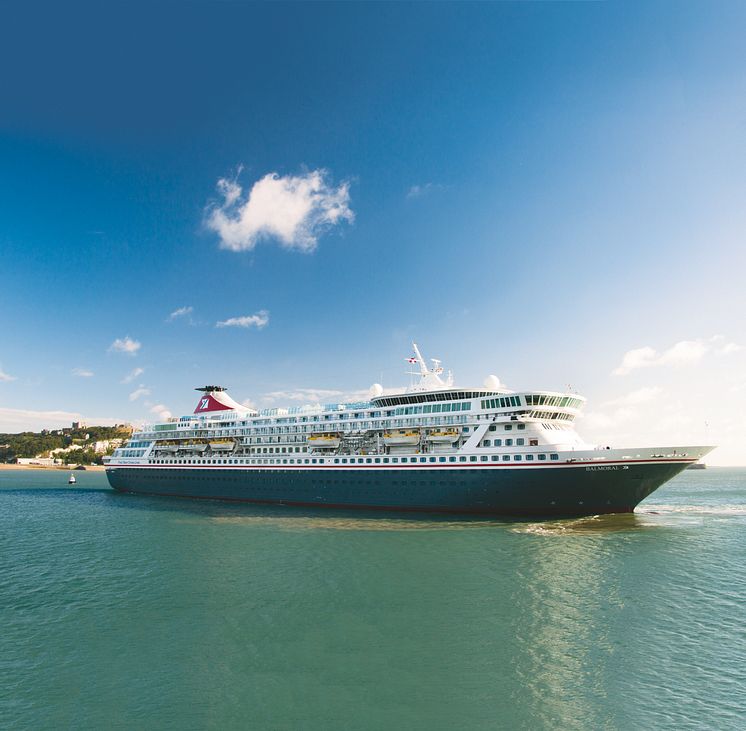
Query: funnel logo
[[203, 404]]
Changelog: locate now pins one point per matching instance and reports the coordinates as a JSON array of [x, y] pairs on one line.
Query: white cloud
[[640, 396], [682, 353], [5, 377], [417, 191], [729, 348], [620, 410], [311, 395], [323, 395], [132, 375], [82, 372], [138, 392], [16, 420], [162, 412], [181, 312], [293, 209], [257, 320], [125, 345]]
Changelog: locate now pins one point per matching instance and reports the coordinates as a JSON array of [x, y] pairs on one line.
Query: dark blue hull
[[557, 490]]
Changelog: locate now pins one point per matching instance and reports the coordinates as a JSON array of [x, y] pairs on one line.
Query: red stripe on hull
[[420, 465]]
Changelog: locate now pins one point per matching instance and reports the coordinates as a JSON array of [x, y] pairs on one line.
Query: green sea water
[[129, 612]]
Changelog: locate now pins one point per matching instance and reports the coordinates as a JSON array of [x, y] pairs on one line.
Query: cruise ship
[[431, 448]]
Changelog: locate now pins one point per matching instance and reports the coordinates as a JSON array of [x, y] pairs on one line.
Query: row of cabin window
[[508, 427], [561, 401], [419, 398], [509, 442], [278, 450], [501, 403], [366, 460], [551, 415]]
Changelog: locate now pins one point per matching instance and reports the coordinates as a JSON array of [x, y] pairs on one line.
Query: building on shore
[[38, 461], [107, 445]]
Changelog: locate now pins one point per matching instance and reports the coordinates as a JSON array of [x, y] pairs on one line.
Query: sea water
[[122, 611]]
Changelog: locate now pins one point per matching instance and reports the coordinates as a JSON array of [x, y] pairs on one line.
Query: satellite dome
[[375, 390]]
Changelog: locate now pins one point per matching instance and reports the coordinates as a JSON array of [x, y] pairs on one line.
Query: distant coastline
[[58, 468]]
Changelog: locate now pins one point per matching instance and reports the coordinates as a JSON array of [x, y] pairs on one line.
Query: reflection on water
[[358, 523], [562, 600]]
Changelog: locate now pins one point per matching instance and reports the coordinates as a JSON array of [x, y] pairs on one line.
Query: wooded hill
[[33, 444]]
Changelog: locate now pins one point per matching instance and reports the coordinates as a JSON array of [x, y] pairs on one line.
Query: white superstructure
[[431, 422]]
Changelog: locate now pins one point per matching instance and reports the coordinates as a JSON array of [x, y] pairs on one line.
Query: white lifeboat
[[401, 438], [443, 436], [194, 446], [222, 445], [324, 440]]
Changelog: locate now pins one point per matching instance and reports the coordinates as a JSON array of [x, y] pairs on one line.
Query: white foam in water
[[695, 509]]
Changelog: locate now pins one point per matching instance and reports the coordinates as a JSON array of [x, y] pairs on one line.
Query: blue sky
[[531, 190]]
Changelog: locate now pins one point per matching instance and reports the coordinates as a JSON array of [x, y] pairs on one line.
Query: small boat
[[194, 446], [443, 436], [324, 440], [71, 480], [222, 445], [401, 438]]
